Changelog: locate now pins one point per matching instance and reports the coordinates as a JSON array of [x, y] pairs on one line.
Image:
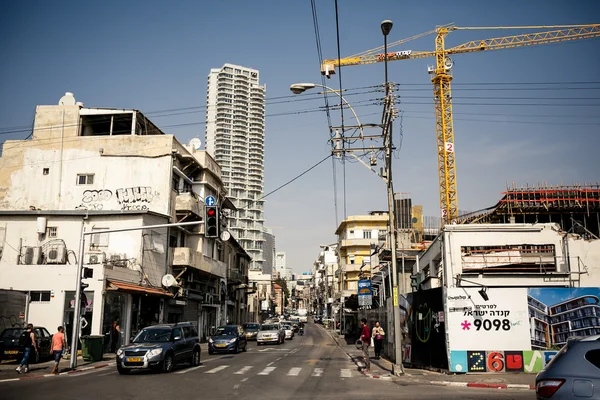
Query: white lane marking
[[10, 380], [243, 370], [294, 372], [267, 371], [236, 386], [215, 370], [317, 372], [345, 373], [279, 358], [185, 371], [271, 363], [244, 380], [108, 373]]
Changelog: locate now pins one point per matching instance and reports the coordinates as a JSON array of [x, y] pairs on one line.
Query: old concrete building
[[97, 169]]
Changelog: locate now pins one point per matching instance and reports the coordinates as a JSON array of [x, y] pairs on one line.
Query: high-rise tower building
[[235, 137]]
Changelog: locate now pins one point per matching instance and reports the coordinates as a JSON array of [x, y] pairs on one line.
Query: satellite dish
[[67, 100], [169, 280], [195, 143], [225, 236]]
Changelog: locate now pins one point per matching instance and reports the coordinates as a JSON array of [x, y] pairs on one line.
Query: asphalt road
[[307, 367]]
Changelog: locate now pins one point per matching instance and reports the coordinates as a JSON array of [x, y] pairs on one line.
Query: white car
[[289, 331], [270, 333]]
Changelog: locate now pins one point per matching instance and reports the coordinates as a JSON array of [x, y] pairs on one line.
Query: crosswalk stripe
[[243, 370], [267, 371], [346, 373], [294, 372], [317, 372], [185, 371], [215, 370]]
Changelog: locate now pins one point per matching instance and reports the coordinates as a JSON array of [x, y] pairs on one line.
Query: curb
[[26, 378], [483, 385]]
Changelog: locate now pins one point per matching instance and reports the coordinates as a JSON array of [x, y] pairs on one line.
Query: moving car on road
[[251, 330], [270, 333], [160, 347], [228, 338], [573, 373], [11, 347], [289, 331]]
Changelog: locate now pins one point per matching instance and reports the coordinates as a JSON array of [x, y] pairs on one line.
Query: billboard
[[515, 329]]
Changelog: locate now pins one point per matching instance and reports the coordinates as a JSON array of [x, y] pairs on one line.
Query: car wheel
[[123, 371], [196, 358], [168, 363], [237, 348]]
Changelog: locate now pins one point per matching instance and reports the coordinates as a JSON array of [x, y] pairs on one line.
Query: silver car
[[270, 333], [573, 373]]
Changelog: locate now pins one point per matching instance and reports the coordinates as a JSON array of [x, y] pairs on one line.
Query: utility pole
[[397, 368]]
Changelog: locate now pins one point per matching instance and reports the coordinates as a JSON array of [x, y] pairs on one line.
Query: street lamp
[[298, 88]]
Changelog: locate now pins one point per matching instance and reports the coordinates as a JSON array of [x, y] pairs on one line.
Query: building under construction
[[576, 208]]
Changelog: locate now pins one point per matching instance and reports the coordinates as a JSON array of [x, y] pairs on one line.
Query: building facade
[[281, 266], [269, 251], [235, 137], [88, 169], [325, 279]]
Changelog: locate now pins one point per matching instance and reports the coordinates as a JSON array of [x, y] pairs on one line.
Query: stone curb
[[26, 378], [482, 385]]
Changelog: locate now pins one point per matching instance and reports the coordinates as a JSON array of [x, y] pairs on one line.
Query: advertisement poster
[[516, 329], [365, 293]]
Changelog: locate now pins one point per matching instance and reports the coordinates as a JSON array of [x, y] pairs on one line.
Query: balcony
[[187, 257], [187, 204], [357, 242], [235, 276]]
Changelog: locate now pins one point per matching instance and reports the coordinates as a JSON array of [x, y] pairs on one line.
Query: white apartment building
[[281, 267], [235, 137], [101, 169]]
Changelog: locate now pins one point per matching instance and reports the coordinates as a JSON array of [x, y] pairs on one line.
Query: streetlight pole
[[397, 368], [78, 291]]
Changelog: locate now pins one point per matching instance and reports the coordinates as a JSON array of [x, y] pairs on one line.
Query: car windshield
[[12, 333], [270, 328], [153, 335], [226, 330], [288, 327], [251, 327]]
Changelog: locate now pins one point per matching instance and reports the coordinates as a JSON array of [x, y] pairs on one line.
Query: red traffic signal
[[211, 212], [211, 222]]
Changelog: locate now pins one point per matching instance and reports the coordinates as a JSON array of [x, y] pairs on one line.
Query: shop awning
[[133, 288]]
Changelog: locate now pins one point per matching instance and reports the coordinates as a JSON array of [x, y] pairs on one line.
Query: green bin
[[92, 347]]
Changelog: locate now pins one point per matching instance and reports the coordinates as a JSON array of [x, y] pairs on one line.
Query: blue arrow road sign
[[210, 201]]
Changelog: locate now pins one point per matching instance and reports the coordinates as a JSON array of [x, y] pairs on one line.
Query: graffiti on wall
[[131, 198], [136, 198]]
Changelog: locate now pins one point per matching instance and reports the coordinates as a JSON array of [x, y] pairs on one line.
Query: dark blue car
[[229, 339]]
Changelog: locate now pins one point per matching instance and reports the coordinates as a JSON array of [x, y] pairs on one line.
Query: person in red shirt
[[365, 337]]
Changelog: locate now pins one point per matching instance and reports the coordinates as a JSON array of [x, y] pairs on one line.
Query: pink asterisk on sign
[[466, 325]]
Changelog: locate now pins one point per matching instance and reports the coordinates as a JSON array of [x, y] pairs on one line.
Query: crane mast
[[442, 77]]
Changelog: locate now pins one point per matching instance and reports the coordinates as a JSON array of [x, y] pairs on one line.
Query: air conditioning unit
[[56, 255], [118, 260], [95, 258], [31, 255]]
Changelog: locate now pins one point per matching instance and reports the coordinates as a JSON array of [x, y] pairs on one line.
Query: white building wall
[[444, 261], [61, 278]]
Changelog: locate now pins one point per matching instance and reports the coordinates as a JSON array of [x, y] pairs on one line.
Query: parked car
[[251, 330], [270, 333], [289, 331], [573, 373], [228, 338], [160, 347], [13, 350]]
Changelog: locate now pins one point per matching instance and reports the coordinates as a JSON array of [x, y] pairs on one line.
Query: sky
[[522, 116]]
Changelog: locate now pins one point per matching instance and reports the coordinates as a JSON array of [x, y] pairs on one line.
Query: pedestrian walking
[[378, 336], [59, 346], [365, 336], [27, 340], [115, 333]]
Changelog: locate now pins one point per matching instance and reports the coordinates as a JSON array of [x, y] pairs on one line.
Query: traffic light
[[415, 281], [211, 222]]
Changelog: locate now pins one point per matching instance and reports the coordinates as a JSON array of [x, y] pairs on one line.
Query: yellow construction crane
[[441, 83]]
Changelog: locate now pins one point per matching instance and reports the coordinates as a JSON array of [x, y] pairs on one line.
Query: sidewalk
[[44, 369], [382, 369]]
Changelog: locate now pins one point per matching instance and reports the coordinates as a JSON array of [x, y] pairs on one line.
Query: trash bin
[[92, 347]]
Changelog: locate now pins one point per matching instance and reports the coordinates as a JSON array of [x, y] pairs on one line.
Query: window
[[40, 296], [187, 332], [52, 232], [176, 333], [99, 240], [366, 234], [85, 179], [46, 171]]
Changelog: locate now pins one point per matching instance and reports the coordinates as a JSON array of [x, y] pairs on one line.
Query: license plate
[[11, 352], [134, 359], [221, 345]]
